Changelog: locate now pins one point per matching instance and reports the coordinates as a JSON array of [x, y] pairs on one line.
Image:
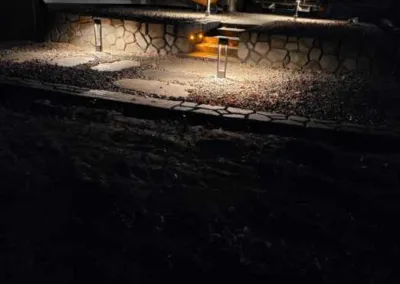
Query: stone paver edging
[[267, 119]]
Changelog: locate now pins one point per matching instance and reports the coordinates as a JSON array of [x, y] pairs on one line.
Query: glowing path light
[[98, 34], [208, 11], [222, 45]]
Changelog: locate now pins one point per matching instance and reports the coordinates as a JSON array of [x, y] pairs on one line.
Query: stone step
[[208, 56], [213, 48]]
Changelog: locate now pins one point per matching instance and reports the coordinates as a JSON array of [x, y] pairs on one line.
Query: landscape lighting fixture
[[200, 36], [222, 65], [296, 15], [192, 37], [208, 11], [98, 34]]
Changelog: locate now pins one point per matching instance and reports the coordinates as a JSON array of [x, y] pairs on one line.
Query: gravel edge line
[[230, 114]]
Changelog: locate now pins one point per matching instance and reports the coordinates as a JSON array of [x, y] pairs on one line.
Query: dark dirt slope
[[90, 196]]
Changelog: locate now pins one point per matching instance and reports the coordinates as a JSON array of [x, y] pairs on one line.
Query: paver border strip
[[225, 116]]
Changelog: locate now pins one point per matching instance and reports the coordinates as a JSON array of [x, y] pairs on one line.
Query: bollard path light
[[98, 34], [222, 64]]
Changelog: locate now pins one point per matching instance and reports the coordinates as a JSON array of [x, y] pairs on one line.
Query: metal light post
[[296, 15], [208, 11], [222, 45], [98, 34]]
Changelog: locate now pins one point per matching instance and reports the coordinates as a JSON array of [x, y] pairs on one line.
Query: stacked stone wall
[[120, 35], [330, 54]]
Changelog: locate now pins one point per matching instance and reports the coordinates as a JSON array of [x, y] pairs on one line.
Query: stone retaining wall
[[331, 54], [122, 35]]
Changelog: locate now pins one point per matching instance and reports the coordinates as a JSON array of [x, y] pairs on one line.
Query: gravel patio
[[356, 98]]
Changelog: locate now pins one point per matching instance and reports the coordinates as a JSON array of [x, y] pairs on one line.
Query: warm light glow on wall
[[192, 37]]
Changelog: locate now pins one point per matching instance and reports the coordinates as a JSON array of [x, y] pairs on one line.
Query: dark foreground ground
[[90, 196]]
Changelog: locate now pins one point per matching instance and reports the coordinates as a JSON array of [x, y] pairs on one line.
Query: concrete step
[[230, 32], [214, 40], [208, 56], [213, 48]]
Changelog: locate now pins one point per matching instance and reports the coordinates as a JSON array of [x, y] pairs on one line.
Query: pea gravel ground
[[356, 98]]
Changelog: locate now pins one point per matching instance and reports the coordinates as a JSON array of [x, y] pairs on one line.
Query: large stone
[[350, 64], [170, 39], [244, 37], [277, 55], [349, 49], [255, 57], [147, 38], [119, 31], [329, 63], [175, 50], [85, 19], [72, 61], [278, 41], [156, 30], [110, 39], [116, 22], [364, 64], [54, 35], [254, 37], [128, 37], [313, 65], [243, 51], [330, 46], [265, 63], [87, 29], [154, 87], [298, 58], [152, 50], [73, 17], [133, 47], [76, 26], [305, 44], [293, 66], [170, 29], [292, 46], [143, 28], [261, 48], [116, 66], [120, 44], [106, 21], [63, 38], [158, 43], [107, 29], [140, 40], [71, 33], [315, 54], [131, 26], [183, 44], [63, 28]]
